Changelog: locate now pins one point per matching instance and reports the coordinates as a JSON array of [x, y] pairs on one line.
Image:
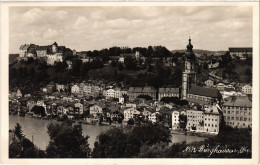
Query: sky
[[98, 27]]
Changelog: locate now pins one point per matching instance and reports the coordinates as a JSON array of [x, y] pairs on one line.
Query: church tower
[[189, 75]]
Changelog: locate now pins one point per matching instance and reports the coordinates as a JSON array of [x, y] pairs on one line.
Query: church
[[190, 91]]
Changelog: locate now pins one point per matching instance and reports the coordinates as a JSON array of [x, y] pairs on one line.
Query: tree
[[39, 110], [248, 73], [14, 150], [18, 131], [111, 144], [67, 141], [155, 151], [130, 63]]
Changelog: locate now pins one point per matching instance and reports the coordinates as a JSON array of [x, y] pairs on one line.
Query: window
[[215, 125], [232, 118], [245, 119], [228, 112], [237, 118], [237, 112], [228, 117]]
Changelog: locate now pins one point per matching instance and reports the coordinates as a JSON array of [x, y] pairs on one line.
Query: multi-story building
[[237, 111], [195, 120], [241, 52], [204, 120], [75, 89], [175, 120], [134, 92], [79, 106], [96, 109], [129, 113], [212, 119], [168, 92], [247, 89], [209, 83], [110, 93], [203, 96]]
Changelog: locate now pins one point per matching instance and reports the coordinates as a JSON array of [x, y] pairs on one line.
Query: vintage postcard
[[130, 82]]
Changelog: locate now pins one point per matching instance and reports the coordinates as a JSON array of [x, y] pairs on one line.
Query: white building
[[205, 120], [212, 119], [95, 109], [247, 89], [130, 113], [121, 100], [75, 89], [175, 120], [209, 83]]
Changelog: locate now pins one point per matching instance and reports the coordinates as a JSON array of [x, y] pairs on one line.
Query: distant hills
[[200, 51]]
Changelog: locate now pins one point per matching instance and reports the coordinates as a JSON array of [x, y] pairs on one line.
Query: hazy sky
[[89, 28]]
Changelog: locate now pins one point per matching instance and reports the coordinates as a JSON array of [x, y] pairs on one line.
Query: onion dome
[[189, 52]]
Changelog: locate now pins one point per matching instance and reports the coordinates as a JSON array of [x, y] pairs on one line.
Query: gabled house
[[96, 109], [80, 107]]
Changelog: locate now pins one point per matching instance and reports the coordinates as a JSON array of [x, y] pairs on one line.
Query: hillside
[[196, 51], [12, 57]]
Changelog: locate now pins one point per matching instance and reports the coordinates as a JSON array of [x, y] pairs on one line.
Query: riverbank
[[36, 129]]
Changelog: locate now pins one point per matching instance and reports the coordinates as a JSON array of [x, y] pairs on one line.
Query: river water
[[38, 129]]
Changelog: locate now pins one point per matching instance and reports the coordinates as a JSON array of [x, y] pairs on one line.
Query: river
[[38, 129]]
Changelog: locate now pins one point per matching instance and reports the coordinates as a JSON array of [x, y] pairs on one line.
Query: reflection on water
[[38, 129]]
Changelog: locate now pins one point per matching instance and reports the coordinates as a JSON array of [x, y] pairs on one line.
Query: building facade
[[134, 92], [241, 52], [168, 92], [237, 111], [175, 120], [247, 89]]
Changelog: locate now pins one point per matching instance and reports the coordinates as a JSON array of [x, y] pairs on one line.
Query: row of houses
[[246, 88]]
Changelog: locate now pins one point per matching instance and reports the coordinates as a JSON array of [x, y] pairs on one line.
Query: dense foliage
[[67, 141], [119, 144]]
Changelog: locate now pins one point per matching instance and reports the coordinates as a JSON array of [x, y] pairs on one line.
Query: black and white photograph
[[119, 80]]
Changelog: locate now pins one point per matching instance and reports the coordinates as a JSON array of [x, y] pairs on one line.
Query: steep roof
[[169, 90], [212, 110], [148, 90], [248, 49], [24, 47], [241, 101], [202, 91], [40, 48]]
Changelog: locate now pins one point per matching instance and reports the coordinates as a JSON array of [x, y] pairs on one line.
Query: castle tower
[[54, 47], [189, 74]]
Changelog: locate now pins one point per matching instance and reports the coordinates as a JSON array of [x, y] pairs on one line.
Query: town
[[194, 99]]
